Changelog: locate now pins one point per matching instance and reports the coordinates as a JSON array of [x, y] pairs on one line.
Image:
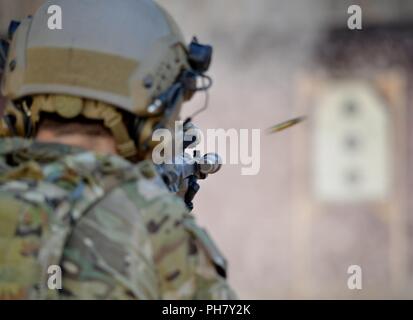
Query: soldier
[[81, 195]]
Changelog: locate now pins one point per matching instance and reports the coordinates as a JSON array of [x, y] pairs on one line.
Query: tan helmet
[[109, 56]]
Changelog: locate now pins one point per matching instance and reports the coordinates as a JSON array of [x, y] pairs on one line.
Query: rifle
[[181, 176]]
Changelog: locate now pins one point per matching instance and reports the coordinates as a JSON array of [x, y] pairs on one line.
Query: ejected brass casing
[[285, 125]]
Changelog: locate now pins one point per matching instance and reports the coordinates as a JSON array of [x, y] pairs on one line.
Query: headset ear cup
[[190, 85]]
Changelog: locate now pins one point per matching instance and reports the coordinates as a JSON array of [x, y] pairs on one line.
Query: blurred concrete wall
[[258, 48], [261, 49]]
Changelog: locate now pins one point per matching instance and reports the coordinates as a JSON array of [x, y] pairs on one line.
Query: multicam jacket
[[111, 227]]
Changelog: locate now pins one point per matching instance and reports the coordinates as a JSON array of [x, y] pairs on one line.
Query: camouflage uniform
[[112, 226]]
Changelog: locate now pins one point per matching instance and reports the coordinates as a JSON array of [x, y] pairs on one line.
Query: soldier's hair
[[61, 126]]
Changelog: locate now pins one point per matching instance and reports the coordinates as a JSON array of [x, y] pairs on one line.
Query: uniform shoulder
[[130, 220], [12, 145], [149, 192], [8, 145]]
